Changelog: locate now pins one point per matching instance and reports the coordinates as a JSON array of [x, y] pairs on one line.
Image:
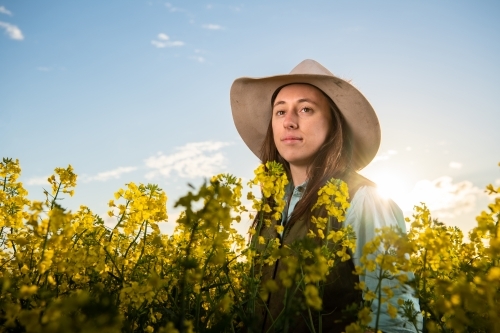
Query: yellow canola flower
[[392, 310], [272, 180], [27, 291], [313, 300], [354, 328], [25, 269], [335, 236], [321, 234], [365, 316], [64, 182], [455, 299], [169, 328], [370, 296], [388, 292], [334, 196], [494, 274], [225, 303], [457, 280]]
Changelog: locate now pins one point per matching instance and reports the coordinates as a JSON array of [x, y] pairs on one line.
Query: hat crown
[[310, 66]]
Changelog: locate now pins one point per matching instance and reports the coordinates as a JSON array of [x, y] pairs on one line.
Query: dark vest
[[339, 292]]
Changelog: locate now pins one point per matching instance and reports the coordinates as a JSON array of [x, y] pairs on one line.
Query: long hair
[[333, 159]]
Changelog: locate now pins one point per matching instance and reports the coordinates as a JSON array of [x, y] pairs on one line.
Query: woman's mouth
[[291, 139]]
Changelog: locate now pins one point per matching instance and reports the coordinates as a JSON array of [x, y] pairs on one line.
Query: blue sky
[[139, 90]]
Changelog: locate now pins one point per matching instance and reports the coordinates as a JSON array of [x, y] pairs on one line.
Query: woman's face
[[301, 121]]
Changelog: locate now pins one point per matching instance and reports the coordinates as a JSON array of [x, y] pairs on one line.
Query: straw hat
[[251, 107]]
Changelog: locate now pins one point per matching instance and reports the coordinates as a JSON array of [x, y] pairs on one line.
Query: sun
[[391, 185]]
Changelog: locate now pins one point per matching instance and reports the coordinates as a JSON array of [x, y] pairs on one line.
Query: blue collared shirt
[[296, 196]]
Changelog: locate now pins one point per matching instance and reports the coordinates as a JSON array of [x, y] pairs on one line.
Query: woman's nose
[[290, 120]]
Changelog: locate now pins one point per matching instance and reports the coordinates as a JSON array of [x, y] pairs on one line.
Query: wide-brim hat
[[252, 110]]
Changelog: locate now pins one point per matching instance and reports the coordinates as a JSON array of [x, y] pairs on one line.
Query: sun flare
[[390, 185]]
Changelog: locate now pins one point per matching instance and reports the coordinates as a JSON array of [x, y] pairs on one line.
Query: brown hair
[[333, 159]]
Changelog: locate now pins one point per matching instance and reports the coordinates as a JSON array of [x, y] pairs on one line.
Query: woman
[[318, 127]]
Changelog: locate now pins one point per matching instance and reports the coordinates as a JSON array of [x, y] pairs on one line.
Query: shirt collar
[[298, 190]]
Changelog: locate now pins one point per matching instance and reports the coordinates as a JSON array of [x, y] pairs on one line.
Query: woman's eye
[[280, 113], [306, 110]]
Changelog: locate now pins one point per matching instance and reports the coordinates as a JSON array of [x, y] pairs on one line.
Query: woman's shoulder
[[368, 205], [355, 181]]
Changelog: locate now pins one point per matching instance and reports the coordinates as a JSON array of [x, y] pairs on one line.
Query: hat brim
[[251, 108]]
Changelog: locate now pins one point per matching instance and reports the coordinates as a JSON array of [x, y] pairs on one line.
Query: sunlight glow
[[390, 186]]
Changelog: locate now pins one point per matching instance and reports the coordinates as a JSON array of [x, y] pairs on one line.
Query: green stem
[[311, 319], [3, 236], [114, 263], [253, 246], [55, 197], [203, 270], [46, 238], [285, 308], [424, 284], [13, 244], [6, 261], [143, 246], [120, 221], [379, 289], [77, 237], [182, 286], [134, 240], [308, 308]]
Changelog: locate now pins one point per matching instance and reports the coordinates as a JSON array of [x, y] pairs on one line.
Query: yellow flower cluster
[[272, 180], [12, 195], [64, 271], [334, 196], [457, 282], [63, 181], [385, 258]]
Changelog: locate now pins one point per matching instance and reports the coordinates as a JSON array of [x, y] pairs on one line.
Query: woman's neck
[[299, 174]]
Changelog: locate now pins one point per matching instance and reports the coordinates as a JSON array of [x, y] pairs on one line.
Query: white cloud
[[198, 159], [5, 11], [172, 8], [455, 165], [380, 158], [384, 156], [12, 31], [198, 58], [103, 176], [212, 27], [161, 45], [443, 197], [38, 181], [164, 41], [163, 36]]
